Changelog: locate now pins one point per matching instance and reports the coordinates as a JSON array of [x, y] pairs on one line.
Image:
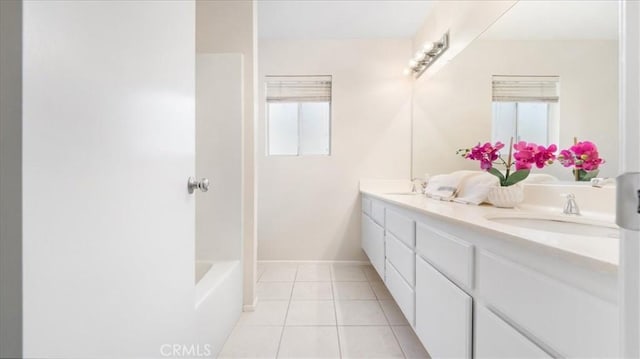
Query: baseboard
[[364, 262], [250, 307]]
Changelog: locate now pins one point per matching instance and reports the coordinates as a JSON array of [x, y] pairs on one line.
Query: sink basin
[[559, 224]]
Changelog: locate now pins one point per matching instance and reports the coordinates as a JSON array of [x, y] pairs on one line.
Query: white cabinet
[[435, 270], [373, 243], [402, 257], [443, 314], [401, 291], [377, 212], [572, 322], [402, 227], [450, 255], [366, 206], [495, 339]]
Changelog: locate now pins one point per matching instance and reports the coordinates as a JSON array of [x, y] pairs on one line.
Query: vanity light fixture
[[426, 56]]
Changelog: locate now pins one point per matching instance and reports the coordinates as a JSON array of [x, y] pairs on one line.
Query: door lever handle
[[193, 184]]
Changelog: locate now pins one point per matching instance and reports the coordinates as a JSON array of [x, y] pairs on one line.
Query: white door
[[630, 162], [108, 145]]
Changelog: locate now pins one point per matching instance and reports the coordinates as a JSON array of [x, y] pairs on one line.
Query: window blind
[[525, 88], [298, 88]]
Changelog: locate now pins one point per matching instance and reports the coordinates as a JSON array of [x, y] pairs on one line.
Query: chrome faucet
[[571, 207]]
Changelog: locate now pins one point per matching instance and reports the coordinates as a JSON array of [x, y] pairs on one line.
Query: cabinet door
[[401, 291], [373, 243], [402, 258], [402, 227], [494, 338], [366, 205], [377, 212], [443, 314], [570, 321]]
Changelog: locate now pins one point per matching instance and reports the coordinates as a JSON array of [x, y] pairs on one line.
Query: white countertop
[[599, 251]]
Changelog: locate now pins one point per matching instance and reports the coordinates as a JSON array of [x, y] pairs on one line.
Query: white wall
[[452, 108], [219, 156], [308, 207], [229, 26], [10, 179]]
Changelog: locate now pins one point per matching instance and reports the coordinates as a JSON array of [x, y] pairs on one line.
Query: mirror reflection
[[545, 72]]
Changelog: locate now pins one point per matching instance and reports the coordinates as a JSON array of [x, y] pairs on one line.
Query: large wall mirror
[[545, 72]]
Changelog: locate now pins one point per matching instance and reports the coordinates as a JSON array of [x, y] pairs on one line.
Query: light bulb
[[419, 56], [406, 72], [413, 63], [428, 47]]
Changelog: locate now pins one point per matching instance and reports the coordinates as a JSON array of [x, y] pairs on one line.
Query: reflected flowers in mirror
[[584, 159]]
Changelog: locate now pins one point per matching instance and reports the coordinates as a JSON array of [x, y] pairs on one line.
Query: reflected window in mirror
[[525, 108]]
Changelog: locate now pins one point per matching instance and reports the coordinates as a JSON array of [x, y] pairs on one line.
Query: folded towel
[[445, 187], [475, 188]]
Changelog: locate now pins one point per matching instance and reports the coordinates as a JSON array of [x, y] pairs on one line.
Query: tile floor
[[322, 311]]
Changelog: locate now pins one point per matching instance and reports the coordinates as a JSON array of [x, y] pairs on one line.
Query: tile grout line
[[284, 325], [335, 311], [334, 300], [386, 317]]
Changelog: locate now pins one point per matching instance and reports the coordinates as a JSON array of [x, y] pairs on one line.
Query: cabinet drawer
[[570, 321], [401, 292], [366, 205], [402, 227], [377, 212], [373, 243], [494, 338], [443, 314], [402, 258], [447, 253]]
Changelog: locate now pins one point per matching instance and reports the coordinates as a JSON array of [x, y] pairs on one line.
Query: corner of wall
[[231, 26]]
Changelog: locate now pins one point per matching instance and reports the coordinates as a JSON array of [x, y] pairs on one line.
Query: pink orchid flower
[[486, 154], [528, 154], [581, 156], [525, 156]]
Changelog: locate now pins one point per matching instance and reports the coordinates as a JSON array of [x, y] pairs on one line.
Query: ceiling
[[558, 20], [340, 19]]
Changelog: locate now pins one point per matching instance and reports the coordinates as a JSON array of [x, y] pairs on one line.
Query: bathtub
[[218, 300], [202, 268], [210, 275]]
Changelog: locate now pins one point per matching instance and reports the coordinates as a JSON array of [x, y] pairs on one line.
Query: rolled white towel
[[475, 188], [446, 187]]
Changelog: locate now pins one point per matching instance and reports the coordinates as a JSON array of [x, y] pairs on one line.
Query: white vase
[[506, 197]]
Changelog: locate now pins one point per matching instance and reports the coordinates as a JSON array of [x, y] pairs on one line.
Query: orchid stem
[[509, 163], [576, 172]]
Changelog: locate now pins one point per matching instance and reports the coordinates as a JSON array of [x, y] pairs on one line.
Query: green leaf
[[516, 177], [497, 173]]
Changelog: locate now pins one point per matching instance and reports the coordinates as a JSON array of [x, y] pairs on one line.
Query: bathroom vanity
[[474, 287]]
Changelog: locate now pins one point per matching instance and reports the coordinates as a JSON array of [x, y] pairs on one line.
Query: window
[[298, 113], [525, 108]]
